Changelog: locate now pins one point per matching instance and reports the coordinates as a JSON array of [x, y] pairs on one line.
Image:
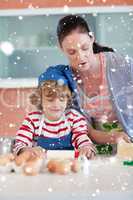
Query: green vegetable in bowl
[[108, 126], [107, 149]]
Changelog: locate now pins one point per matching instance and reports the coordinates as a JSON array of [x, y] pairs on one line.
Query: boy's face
[[54, 106]]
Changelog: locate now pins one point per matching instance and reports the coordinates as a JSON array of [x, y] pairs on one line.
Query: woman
[[102, 79]]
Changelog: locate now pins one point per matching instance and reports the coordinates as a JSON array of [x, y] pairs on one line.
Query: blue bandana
[[60, 73]]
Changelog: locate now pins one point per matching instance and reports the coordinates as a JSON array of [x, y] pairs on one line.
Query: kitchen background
[[28, 45]]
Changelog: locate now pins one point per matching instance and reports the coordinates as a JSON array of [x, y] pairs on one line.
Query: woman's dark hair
[[71, 22]]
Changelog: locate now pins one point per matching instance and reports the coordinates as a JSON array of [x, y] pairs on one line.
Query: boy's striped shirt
[[71, 122]]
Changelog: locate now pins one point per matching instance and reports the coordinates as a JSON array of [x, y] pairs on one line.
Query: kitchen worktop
[[105, 178]]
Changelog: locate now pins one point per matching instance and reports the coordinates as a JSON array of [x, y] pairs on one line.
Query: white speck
[[78, 45], [90, 1], [94, 14], [30, 6], [101, 87], [79, 81], [66, 8], [113, 70], [111, 88], [130, 14], [97, 191], [96, 180], [3, 178], [71, 180], [130, 106], [91, 34], [112, 159], [7, 48], [104, 118], [60, 81], [50, 189], [11, 125], [127, 58], [93, 194], [18, 58], [20, 17], [123, 188]]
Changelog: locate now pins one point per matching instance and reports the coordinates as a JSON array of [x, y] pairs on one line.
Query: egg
[[63, 167], [59, 166], [52, 165]]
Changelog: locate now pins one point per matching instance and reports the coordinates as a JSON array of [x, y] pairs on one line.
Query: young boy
[[54, 125]]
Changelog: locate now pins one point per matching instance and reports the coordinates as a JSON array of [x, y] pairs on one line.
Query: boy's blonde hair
[[50, 89]]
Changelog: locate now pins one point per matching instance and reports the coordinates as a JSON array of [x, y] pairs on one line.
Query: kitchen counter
[[105, 178]]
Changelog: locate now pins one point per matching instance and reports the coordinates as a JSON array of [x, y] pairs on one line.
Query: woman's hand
[[117, 136], [88, 150]]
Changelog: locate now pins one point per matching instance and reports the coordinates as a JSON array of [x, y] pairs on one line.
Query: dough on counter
[[125, 150]]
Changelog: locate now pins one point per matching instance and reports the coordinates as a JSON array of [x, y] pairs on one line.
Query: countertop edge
[[18, 83]]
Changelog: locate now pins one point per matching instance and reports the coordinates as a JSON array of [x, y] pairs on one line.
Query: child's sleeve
[[24, 136], [80, 130]]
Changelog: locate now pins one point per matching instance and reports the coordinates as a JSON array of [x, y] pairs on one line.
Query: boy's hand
[[89, 151], [34, 151]]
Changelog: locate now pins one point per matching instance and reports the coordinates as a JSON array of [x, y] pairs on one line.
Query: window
[[35, 43]]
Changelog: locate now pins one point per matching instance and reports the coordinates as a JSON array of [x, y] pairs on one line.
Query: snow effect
[[7, 48]]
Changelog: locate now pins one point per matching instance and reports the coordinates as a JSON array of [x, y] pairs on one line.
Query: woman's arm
[[102, 137]]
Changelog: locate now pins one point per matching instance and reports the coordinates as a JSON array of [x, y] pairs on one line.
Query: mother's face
[[78, 47]]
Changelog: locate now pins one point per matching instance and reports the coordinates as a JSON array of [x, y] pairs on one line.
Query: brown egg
[[63, 167], [52, 165], [75, 166]]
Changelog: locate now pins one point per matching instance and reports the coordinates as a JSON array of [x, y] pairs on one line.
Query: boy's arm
[[24, 136], [80, 131]]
